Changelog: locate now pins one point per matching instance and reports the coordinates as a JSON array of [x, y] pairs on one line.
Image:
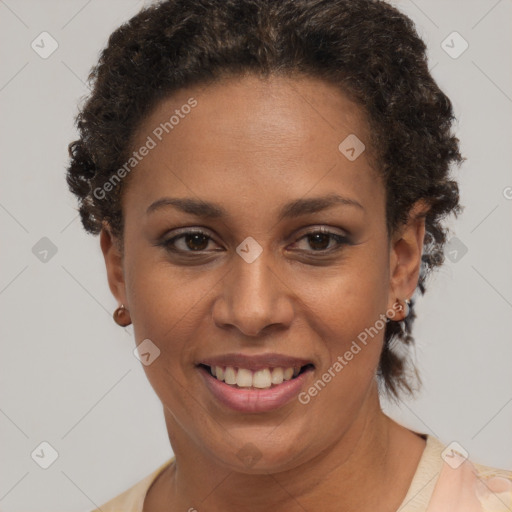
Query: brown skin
[[251, 146]]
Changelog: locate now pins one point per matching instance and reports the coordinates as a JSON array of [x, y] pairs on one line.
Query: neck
[[355, 473]]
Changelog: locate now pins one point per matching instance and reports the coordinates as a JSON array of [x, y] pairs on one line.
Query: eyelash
[[339, 239]]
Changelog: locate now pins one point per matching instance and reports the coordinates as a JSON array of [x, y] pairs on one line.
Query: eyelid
[[185, 230], [340, 240], [322, 228], [180, 232]]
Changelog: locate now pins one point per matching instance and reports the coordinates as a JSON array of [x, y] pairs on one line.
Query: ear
[[406, 248], [111, 249]]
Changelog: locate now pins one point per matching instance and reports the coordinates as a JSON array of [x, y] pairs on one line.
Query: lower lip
[[254, 400]]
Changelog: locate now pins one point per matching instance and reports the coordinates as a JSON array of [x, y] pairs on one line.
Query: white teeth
[[230, 375], [288, 373], [261, 379], [277, 376], [244, 378]]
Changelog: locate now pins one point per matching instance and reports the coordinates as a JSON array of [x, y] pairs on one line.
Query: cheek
[[161, 313], [348, 299], [351, 334], [351, 327], [347, 314], [166, 306]]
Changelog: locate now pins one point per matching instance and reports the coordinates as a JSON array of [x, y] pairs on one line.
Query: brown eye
[[319, 241], [323, 241], [188, 241], [196, 241]]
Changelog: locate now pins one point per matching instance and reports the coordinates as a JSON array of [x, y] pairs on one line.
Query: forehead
[[259, 140]]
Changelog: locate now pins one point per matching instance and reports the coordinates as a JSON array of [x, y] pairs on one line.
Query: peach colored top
[[444, 481]]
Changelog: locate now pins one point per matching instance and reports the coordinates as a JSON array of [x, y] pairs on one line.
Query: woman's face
[[258, 171]]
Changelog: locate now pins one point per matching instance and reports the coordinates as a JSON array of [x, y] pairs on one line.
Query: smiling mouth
[[264, 378]]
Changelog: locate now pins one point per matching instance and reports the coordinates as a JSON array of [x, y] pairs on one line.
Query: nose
[[254, 299]]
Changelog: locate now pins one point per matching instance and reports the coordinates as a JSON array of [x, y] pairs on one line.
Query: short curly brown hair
[[366, 48]]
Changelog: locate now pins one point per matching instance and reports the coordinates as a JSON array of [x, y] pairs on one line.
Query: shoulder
[[465, 485], [132, 500], [493, 487], [447, 480]]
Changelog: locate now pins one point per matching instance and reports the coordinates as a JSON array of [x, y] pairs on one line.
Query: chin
[[261, 454]]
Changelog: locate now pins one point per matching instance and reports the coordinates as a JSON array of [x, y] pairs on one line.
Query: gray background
[[68, 374]]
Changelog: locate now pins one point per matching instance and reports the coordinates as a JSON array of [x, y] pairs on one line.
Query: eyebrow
[[293, 209]]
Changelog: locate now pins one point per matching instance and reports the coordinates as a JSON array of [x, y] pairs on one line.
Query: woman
[[268, 181]]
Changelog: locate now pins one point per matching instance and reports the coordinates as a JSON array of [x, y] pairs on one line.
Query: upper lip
[[255, 362]]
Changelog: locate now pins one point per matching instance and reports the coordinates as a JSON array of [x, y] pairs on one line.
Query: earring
[[399, 307], [407, 308], [122, 316]]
